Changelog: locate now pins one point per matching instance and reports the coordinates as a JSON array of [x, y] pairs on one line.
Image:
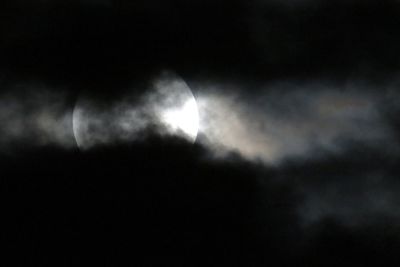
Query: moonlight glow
[[169, 105], [185, 118]]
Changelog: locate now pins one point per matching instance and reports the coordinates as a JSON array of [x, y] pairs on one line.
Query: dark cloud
[[354, 189], [94, 44], [296, 163], [34, 115], [164, 197], [128, 204], [107, 45]]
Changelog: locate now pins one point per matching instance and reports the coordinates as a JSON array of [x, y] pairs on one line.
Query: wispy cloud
[[32, 115], [286, 120]]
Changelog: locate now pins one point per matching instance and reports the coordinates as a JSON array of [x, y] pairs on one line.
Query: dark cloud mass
[[297, 150]]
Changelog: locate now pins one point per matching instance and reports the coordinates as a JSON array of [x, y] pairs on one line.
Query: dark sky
[[296, 163]]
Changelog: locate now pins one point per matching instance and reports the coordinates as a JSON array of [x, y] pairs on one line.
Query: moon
[[176, 107], [169, 105]]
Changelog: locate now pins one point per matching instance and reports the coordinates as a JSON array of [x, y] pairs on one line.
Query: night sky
[[286, 155]]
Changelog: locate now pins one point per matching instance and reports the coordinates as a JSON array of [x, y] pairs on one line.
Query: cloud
[[296, 158], [287, 168], [173, 200], [354, 189], [367, 199], [289, 119], [330, 147], [32, 115], [270, 122]]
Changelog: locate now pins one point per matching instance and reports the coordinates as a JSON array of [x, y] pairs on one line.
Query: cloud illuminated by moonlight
[[278, 123], [169, 106]]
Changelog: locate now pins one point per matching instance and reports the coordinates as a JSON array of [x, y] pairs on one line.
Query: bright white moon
[[170, 106], [185, 118]]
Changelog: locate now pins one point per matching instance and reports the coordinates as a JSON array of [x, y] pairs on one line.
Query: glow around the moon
[[185, 118], [170, 106]]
